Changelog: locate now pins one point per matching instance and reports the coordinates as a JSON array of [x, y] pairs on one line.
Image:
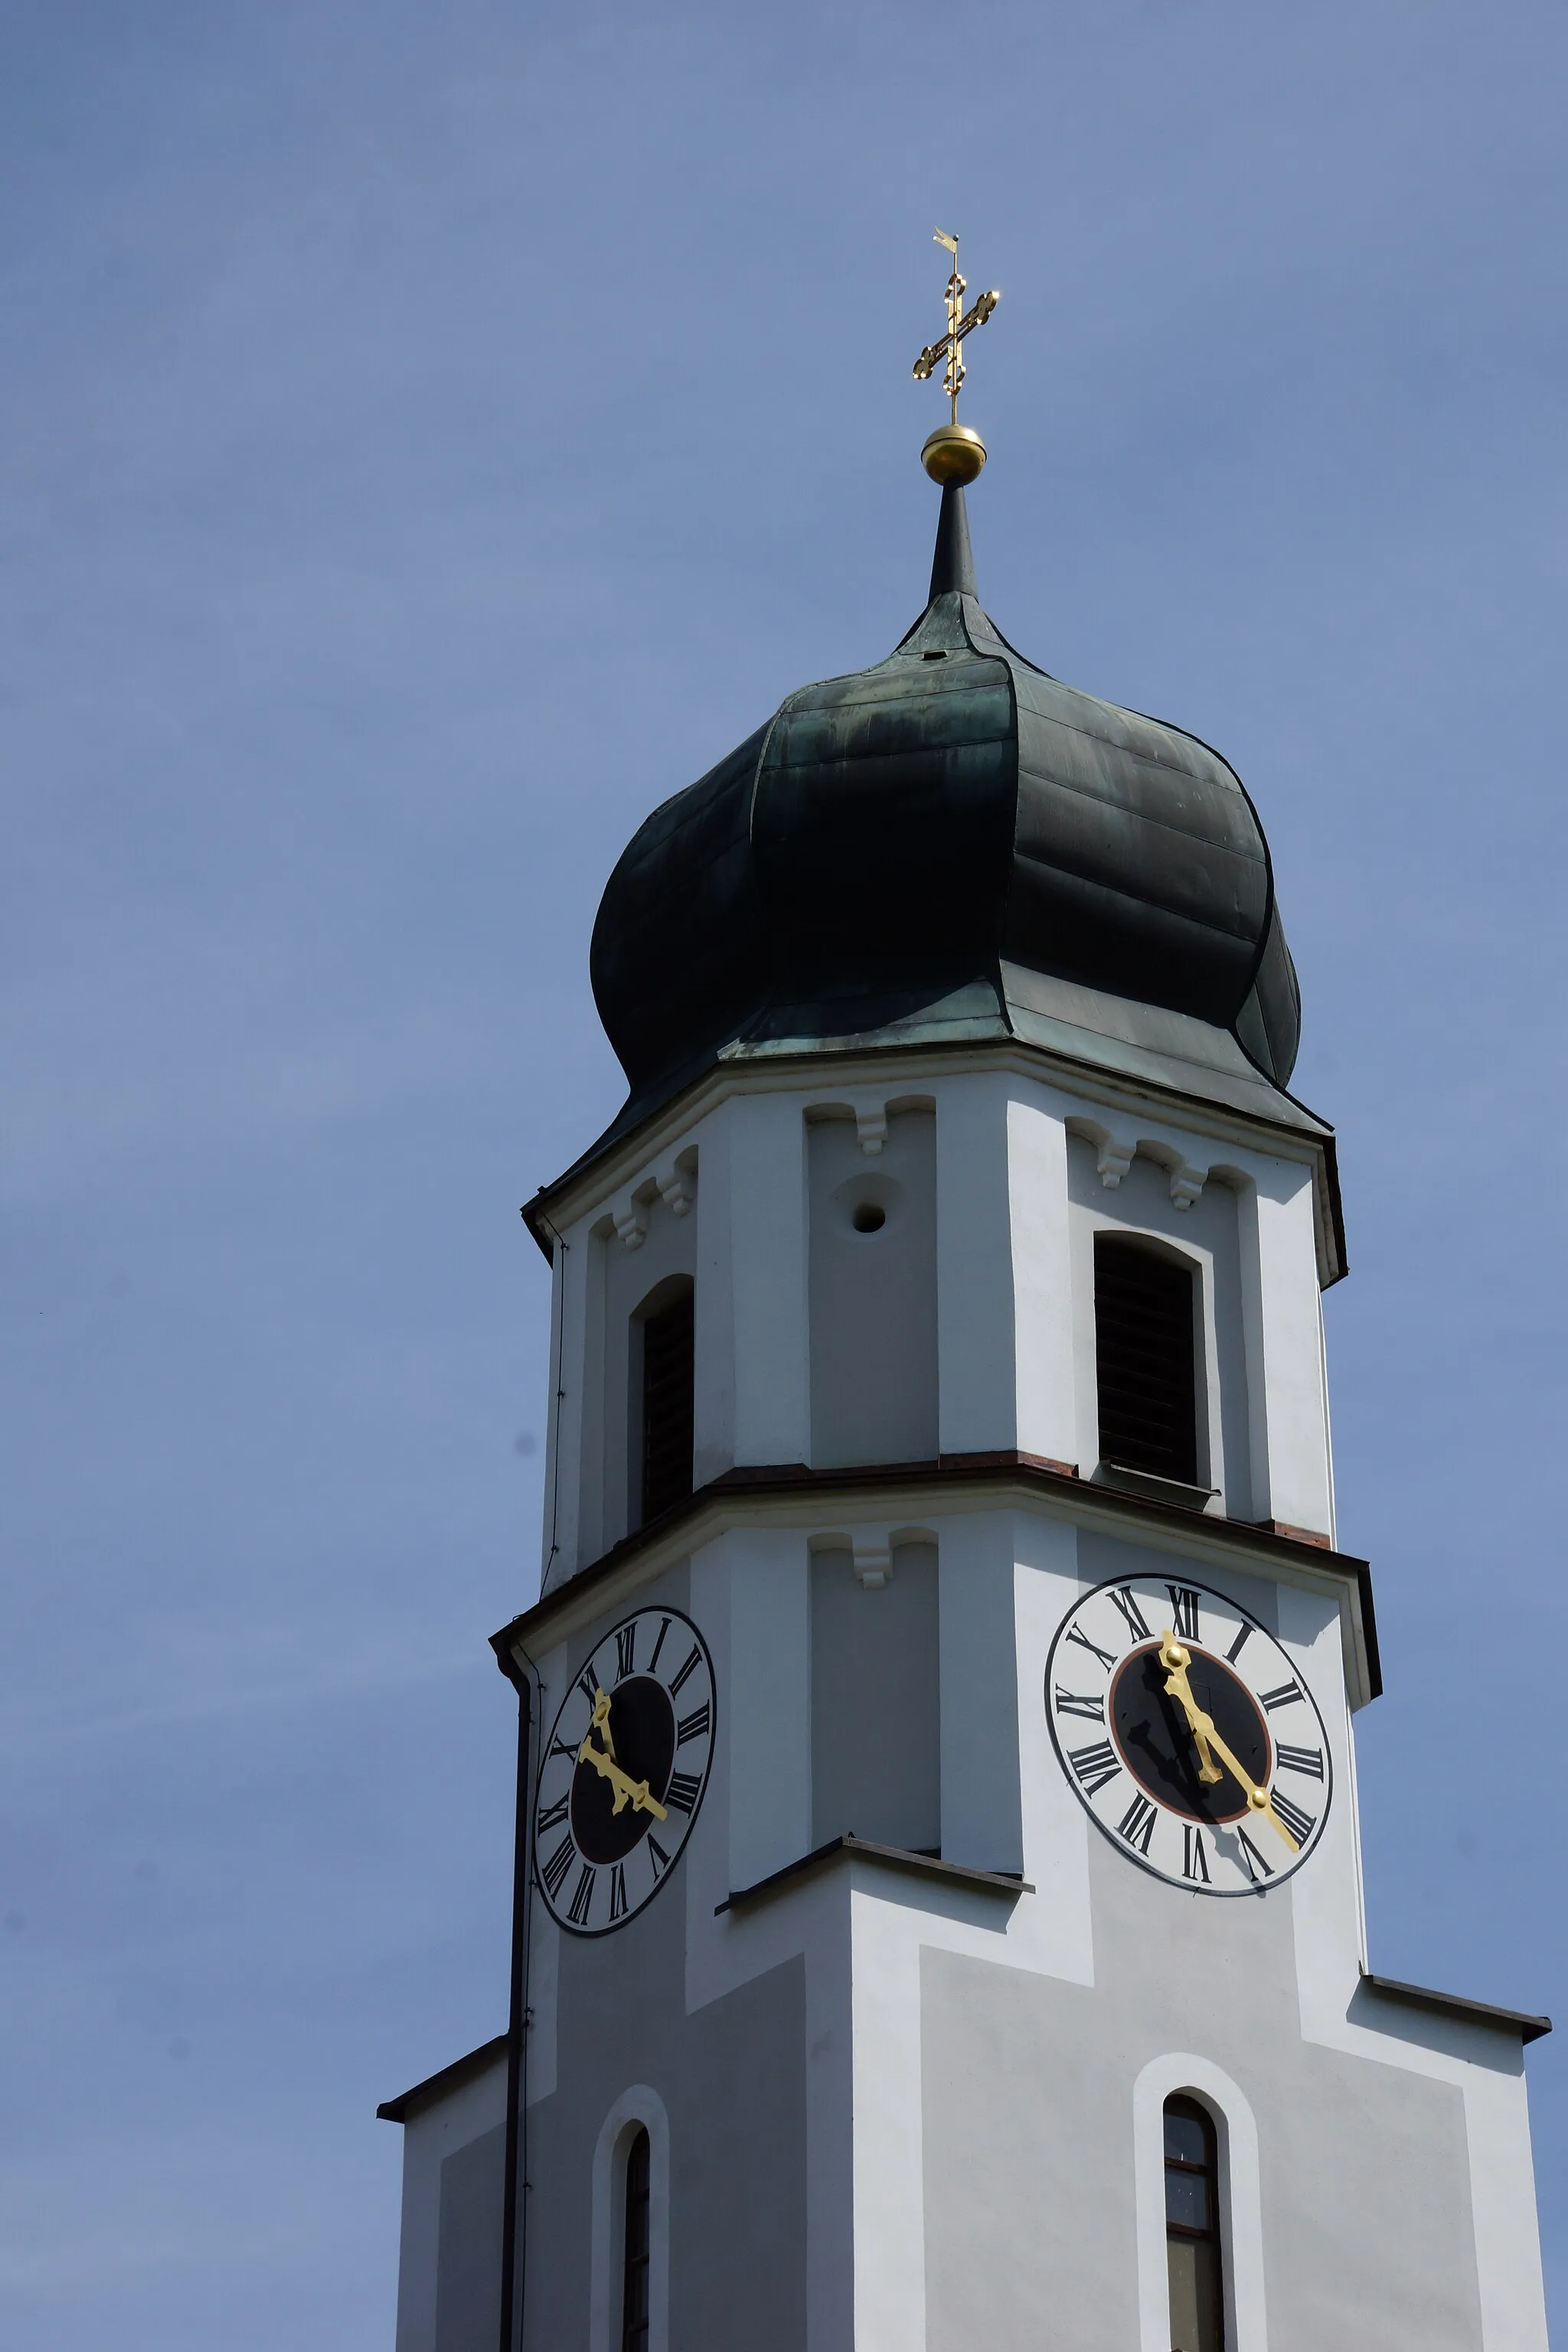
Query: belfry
[[939, 1899]]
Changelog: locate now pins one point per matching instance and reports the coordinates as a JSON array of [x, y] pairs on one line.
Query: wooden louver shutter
[[1143, 1348], [668, 1371]]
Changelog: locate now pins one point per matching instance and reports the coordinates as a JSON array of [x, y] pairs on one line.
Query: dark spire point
[[952, 566]]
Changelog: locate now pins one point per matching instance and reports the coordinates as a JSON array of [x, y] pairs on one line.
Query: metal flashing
[[1528, 2027], [449, 2078], [894, 1857]]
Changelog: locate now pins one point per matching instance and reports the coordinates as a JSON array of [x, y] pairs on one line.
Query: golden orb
[[953, 453]]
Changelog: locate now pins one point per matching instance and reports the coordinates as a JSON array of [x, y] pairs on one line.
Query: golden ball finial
[[953, 453]]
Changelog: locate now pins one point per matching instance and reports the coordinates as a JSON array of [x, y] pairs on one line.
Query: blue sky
[[428, 437]]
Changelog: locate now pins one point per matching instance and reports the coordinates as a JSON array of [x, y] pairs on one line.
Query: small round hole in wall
[[869, 1217]]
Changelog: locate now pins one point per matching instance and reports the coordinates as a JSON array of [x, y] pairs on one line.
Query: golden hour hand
[[601, 1721], [602, 1759], [1175, 1661]]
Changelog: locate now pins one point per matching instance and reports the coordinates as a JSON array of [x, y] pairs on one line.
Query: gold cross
[[960, 322]]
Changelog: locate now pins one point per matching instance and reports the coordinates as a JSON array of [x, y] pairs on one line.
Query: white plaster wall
[[431, 2134], [766, 1726], [1043, 1278], [725, 1950], [566, 1542], [1291, 1474], [1328, 1922], [981, 1816], [873, 1295], [875, 1742], [974, 1264], [767, 1243]]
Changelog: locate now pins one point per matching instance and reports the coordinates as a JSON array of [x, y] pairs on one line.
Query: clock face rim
[[1131, 1644], [575, 1694]]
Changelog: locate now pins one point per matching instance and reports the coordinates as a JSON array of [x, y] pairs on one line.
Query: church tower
[[940, 1915]]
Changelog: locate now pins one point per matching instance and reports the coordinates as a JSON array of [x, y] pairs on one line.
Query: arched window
[[636, 2244], [1191, 2227], [1143, 1333], [669, 1368]]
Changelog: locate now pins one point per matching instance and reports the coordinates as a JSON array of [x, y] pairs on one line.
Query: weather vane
[[954, 452]]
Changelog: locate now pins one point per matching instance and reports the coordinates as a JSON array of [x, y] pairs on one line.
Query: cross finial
[[953, 453]]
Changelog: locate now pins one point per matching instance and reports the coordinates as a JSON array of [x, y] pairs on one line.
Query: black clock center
[[1158, 1747], [642, 1728]]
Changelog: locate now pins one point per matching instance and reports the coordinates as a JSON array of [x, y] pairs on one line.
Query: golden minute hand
[[627, 1791]]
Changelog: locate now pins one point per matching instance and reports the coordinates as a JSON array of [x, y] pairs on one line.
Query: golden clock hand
[[627, 1791], [1176, 1660], [1259, 1798], [601, 1720]]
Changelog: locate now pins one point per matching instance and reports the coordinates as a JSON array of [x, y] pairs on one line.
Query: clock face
[[1188, 1734], [624, 1771]]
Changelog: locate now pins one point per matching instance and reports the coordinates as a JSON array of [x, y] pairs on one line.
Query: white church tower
[[940, 1908]]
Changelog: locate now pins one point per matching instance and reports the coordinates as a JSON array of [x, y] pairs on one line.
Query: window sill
[[893, 1857], [1156, 1490]]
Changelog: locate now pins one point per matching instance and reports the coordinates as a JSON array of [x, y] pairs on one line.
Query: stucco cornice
[[790, 1494], [602, 1174]]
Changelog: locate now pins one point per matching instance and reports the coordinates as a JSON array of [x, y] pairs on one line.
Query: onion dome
[[948, 847]]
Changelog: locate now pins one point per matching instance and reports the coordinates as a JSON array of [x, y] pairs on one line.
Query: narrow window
[[635, 2255], [1144, 1354], [667, 1370], [1192, 2229]]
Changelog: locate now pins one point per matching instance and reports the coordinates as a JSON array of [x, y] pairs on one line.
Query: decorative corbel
[[871, 1127], [676, 1181], [631, 1219], [873, 1554], [1186, 1184], [1113, 1159]]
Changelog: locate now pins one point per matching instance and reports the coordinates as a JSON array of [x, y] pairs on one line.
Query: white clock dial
[[1189, 1735], [622, 1771]]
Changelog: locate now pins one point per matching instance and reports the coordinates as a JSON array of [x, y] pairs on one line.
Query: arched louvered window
[[669, 1369], [636, 2244], [1192, 2229], [1144, 1360]]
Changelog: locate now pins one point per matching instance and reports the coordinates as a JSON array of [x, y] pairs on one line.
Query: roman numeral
[[1137, 1823], [554, 1872], [582, 1897], [695, 1726], [1309, 1760], [657, 1854], [1106, 1657], [1256, 1868], [563, 1747], [553, 1817], [625, 1650], [1286, 1696], [1094, 1766], [588, 1683], [1240, 1644], [693, 1662], [1184, 1602], [682, 1792], [1194, 1861], [1070, 1702], [1299, 1824], [618, 1892], [1128, 1605], [659, 1645]]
